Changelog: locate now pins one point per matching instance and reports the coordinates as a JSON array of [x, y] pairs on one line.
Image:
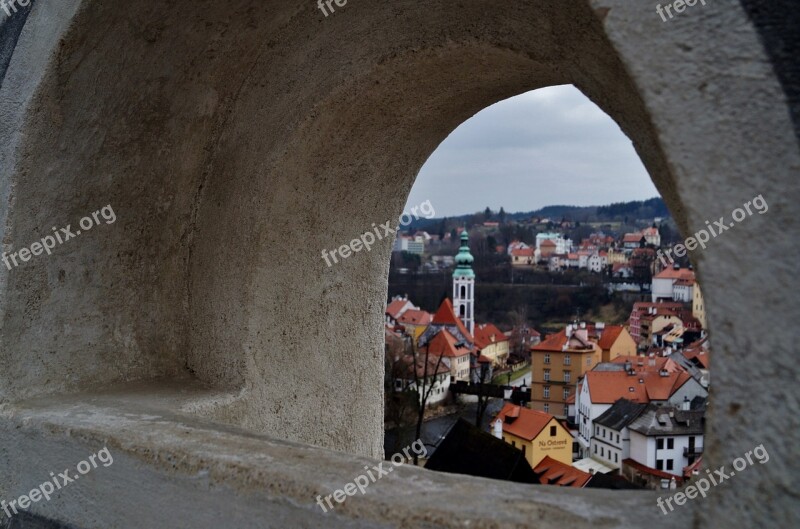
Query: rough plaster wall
[[722, 118], [256, 134]]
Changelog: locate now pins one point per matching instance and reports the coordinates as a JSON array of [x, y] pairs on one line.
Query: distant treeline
[[617, 212]]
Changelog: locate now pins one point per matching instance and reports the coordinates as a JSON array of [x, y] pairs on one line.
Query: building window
[[595, 449], [566, 393], [616, 458], [547, 375], [546, 392], [660, 445], [602, 452], [523, 449], [670, 443], [589, 361], [546, 407], [547, 358], [567, 360], [659, 464], [597, 431], [514, 444], [567, 376], [553, 430], [566, 411], [617, 438], [669, 464]]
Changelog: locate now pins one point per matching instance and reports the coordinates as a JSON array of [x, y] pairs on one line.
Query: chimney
[[498, 429]]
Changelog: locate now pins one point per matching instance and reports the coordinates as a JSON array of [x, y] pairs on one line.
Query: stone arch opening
[[237, 140]]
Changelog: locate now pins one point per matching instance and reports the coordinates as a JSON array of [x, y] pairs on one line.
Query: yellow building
[[492, 343], [699, 306], [536, 433], [415, 322], [559, 361], [616, 256], [614, 341]]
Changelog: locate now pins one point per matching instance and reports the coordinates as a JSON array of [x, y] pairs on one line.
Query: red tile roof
[[547, 242], [632, 237], [522, 252], [445, 344], [447, 316], [558, 473], [555, 343], [609, 335], [395, 308], [415, 317], [484, 333], [527, 423], [671, 273], [606, 387], [652, 471]]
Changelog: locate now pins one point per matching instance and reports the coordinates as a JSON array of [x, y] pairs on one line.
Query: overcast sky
[[547, 147]]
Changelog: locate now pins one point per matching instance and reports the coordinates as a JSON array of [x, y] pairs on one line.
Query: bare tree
[[483, 376], [424, 390]]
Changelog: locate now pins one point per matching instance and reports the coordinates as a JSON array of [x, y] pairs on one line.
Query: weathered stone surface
[[236, 141]]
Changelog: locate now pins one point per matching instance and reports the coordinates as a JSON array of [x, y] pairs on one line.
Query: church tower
[[464, 285]]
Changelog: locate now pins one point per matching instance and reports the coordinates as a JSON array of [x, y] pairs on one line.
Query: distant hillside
[[617, 212]]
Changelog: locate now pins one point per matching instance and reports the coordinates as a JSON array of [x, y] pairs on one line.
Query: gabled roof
[[445, 315], [556, 342], [557, 473], [415, 317], [606, 387], [468, 450], [668, 420], [524, 422], [434, 367], [445, 344], [621, 414], [396, 308], [522, 252], [548, 242], [609, 335], [486, 334], [672, 273]]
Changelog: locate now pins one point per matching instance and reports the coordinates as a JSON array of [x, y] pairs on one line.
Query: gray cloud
[[550, 146]]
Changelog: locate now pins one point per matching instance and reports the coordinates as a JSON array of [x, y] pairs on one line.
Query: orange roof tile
[[415, 317], [606, 387], [609, 335], [484, 333], [447, 316], [445, 344], [527, 423], [558, 473], [395, 308], [671, 273]]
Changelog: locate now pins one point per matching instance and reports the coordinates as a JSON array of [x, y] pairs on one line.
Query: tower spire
[[464, 284]]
